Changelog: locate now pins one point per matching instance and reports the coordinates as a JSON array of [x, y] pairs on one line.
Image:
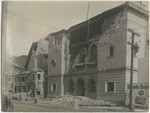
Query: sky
[[28, 22]]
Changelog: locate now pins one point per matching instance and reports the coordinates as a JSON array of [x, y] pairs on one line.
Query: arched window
[[94, 53], [111, 51], [92, 85], [71, 84]]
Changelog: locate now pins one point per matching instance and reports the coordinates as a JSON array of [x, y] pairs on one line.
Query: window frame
[[106, 87], [110, 51], [37, 92], [52, 89], [39, 76]]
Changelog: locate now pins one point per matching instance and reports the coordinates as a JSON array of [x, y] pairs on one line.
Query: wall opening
[[92, 86], [80, 87], [71, 85]]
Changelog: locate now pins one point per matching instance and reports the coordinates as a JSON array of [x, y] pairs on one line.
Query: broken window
[[110, 87], [71, 86], [38, 92], [53, 87], [94, 53], [111, 51], [92, 85]]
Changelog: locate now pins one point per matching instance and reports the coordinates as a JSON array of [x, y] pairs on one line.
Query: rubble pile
[[18, 96], [68, 100]]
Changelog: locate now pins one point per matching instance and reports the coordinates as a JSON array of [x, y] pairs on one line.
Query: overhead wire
[[39, 22]]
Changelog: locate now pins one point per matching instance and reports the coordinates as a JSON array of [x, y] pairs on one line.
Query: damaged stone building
[[33, 78], [93, 58]]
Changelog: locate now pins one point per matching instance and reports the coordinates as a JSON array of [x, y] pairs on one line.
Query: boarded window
[[71, 86], [92, 85], [110, 87]]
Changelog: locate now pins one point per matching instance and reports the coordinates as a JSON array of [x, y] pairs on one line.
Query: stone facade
[[58, 62]]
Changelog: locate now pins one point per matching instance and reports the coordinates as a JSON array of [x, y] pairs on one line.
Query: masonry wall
[[118, 77], [55, 52], [54, 80], [114, 34], [59, 52], [42, 60], [101, 79], [41, 54], [86, 77]]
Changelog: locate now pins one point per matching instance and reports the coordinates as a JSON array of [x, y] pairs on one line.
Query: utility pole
[[131, 70]]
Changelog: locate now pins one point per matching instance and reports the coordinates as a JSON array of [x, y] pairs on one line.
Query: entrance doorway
[[80, 87]]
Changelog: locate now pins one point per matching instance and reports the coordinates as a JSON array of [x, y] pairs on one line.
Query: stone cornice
[[100, 71]]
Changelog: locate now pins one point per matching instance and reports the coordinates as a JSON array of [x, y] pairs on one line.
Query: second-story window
[[39, 76]]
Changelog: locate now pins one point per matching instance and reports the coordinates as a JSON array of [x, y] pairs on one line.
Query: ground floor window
[[110, 87], [53, 87], [38, 92]]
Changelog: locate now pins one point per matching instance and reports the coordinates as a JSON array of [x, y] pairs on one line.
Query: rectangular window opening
[[39, 76], [53, 87], [38, 92], [110, 87]]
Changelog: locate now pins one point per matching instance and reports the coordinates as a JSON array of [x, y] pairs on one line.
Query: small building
[[32, 79], [40, 84]]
